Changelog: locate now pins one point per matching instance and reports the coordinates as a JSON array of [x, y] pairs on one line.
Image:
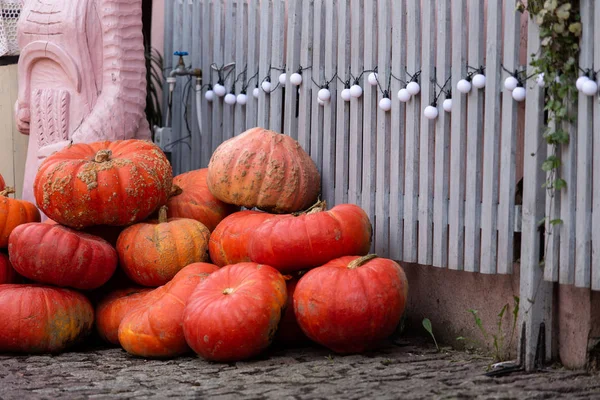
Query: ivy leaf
[[575, 28], [551, 163], [560, 184], [556, 221], [562, 12]]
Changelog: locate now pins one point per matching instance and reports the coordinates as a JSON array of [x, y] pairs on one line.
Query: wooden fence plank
[[277, 61], [369, 112], [207, 77], [398, 125], [442, 142], [356, 105], [317, 75], [253, 34], [294, 42], [585, 134], [506, 206], [328, 171], [196, 61], [553, 233], [382, 193], [306, 89], [241, 62], [343, 126], [596, 162], [228, 121], [456, 212], [475, 133], [218, 59], [413, 126], [264, 99]]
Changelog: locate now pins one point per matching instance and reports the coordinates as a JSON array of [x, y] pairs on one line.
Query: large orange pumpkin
[[112, 308], [351, 303], [42, 319], [191, 198], [7, 272], [151, 253], [297, 242], [233, 315], [103, 183], [154, 328], [57, 255], [264, 169], [13, 213], [229, 241]]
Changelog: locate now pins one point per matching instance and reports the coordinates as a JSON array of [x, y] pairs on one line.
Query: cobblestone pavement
[[403, 369]]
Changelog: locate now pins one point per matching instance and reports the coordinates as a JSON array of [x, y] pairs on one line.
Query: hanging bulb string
[[589, 72], [518, 75], [415, 77], [447, 92], [398, 79], [230, 67], [327, 82], [268, 79], [301, 68], [356, 79], [247, 83]]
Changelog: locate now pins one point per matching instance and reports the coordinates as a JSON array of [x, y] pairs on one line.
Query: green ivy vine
[[557, 60]]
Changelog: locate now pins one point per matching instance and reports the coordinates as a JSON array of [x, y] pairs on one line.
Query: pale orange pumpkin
[[13, 213]]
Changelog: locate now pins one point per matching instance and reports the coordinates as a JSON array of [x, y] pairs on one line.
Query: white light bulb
[[209, 95], [321, 102], [242, 99], [404, 95], [519, 93], [296, 79], [510, 83], [589, 87], [540, 80], [447, 105], [385, 104], [230, 99], [463, 86], [356, 91], [324, 94], [282, 79], [479, 81], [413, 88], [219, 90], [430, 112], [256, 93], [345, 94], [580, 81], [372, 78], [266, 86]]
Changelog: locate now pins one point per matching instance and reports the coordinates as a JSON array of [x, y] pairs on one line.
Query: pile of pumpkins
[[164, 265]]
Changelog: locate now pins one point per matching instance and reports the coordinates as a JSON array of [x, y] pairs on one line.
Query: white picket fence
[[439, 192]]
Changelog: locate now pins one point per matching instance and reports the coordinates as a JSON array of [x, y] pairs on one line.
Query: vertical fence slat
[[568, 202], [196, 57], [230, 26], [584, 154], [207, 107], [506, 206], [264, 99], [342, 134], [294, 42], [217, 104], [253, 35], [168, 58], [369, 112], [356, 105], [382, 197], [413, 118], [277, 61], [318, 75], [552, 234], [489, 205], [456, 212], [177, 107], [475, 133], [442, 142], [241, 62], [306, 89], [596, 172], [328, 172], [398, 126]]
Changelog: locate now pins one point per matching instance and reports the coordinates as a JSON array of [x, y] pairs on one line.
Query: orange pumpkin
[[154, 328], [2, 183], [103, 183], [13, 213], [191, 198], [151, 253], [264, 169], [7, 272], [111, 310]]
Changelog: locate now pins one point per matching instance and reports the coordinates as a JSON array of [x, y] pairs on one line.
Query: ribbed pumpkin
[[103, 183], [13, 213], [112, 308], [42, 319], [57, 255], [303, 241], [351, 303], [233, 315], [106, 232], [7, 272], [229, 241], [264, 169], [191, 198], [151, 253], [155, 327]]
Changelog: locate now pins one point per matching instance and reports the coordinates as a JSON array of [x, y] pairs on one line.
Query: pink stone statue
[[82, 76]]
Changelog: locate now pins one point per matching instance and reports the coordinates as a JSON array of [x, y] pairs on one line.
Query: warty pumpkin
[[13, 213], [264, 169]]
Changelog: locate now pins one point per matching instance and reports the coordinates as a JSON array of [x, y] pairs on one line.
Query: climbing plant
[[557, 63]]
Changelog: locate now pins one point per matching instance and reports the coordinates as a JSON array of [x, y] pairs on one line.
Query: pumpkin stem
[[7, 190], [359, 262], [228, 291], [319, 206], [103, 156], [162, 215], [175, 191]]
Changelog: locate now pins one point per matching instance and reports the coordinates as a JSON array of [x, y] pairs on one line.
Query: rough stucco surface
[[403, 369]]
